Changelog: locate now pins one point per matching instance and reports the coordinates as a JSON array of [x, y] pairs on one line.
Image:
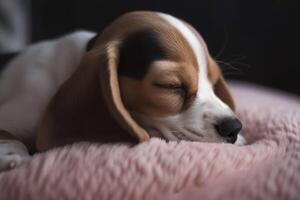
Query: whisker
[[194, 132], [228, 65], [224, 45], [167, 134], [191, 136], [233, 74], [236, 57], [241, 64], [179, 135]]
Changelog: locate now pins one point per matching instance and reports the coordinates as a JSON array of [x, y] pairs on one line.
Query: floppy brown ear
[[223, 92], [88, 106], [111, 92]]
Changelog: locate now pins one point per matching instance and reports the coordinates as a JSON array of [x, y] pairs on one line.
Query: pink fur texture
[[267, 168]]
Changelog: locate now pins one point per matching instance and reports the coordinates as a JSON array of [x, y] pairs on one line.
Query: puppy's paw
[[240, 140], [12, 154]]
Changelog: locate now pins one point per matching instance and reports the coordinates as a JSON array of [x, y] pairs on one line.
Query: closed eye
[[168, 85], [177, 88]]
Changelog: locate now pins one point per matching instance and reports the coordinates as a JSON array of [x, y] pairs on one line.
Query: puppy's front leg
[[12, 151]]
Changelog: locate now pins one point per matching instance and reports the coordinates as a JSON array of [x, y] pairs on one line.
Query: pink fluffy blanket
[[267, 168]]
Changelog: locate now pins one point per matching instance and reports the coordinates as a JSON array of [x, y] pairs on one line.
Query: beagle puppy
[[146, 75]]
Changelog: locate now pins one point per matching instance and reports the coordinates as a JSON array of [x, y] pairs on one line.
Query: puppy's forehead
[[162, 37], [209, 70], [178, 47], [185, 41], [193, 40]]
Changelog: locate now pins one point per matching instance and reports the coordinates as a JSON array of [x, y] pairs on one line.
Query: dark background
[[256, 40]]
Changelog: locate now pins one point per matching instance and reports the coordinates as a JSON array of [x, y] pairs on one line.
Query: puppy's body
[[30, 80], [150, 71]]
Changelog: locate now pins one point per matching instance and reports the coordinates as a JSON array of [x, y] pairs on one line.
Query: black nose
[[229, 129]]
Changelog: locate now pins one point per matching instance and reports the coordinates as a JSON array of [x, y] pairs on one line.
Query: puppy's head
[[167, 80]]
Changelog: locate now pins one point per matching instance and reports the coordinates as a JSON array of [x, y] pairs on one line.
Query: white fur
[[196, 123], [31, 79]]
